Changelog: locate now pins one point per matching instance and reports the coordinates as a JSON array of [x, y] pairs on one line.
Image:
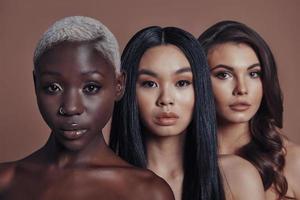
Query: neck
[[161, 151], [232, 136], [165, 158], [53, 152]]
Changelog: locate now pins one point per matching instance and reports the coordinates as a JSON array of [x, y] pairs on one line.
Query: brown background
[[22, 23]]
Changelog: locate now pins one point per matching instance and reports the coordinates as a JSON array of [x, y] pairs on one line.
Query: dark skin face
[[78, 80], [76, 89]]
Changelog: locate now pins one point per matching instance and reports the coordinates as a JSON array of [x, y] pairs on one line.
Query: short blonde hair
[[80, 29]]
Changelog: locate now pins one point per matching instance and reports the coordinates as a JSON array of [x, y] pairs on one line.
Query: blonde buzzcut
[[80, 29]]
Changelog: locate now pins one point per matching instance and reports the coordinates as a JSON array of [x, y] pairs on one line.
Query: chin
[[167, 131], [235, 118], [240, 121], [72, 145]]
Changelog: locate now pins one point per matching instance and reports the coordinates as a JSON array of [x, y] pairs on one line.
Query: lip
[[166, 119], [73, 134], [240, 106]]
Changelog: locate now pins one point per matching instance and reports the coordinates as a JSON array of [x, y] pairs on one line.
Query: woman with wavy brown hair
[[249, 106]]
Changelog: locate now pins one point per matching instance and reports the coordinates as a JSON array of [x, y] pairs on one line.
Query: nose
[[71, 103], [165, 97], [240, 87]]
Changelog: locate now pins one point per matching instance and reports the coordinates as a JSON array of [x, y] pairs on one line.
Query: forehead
[[71, 57], [232, 54], [164, 58]]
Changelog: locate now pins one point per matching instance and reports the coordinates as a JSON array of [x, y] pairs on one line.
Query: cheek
[[184, 105], [48, 103], [257, 92], [99, 110], [222, 92], [187, 100], [48, 106], [145, 102]]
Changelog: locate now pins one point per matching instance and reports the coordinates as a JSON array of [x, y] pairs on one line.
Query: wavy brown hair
[[265, 150]]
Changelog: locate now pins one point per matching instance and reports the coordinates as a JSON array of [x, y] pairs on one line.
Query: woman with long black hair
[[249, 106], [166, 120]]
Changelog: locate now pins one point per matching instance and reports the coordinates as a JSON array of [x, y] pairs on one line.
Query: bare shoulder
[[146, 184], [236, 166], [292, 159], [7, 171], [241, 179], [292, 154], [292, 166], [159, 187]]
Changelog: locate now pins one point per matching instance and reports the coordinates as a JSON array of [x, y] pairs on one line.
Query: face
[[236, 81], [76, 89], [165, 92]]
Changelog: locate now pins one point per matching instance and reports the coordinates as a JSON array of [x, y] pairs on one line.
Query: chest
[[59, 186], [176, 185]]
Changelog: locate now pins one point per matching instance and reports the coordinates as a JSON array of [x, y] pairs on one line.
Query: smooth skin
[[238, 91], [76, 89], [165, 96], [241, 180]]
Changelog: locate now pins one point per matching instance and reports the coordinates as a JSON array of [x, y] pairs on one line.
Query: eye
[[255, 74], [183, 83], [91, 88], [223, 75], [52, 88], [149, 84]]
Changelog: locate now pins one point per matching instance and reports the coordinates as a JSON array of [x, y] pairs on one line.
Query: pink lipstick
[[166, 119], [239, 106]]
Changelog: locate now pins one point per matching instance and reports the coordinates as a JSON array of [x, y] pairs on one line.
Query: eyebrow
[[151, 73], [231, 68], [43, 73], [147, 72], [54, 73], [92, 72], [183, 70]]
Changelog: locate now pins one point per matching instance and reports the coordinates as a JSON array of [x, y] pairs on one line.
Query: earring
[[119, 87], [61, 111]]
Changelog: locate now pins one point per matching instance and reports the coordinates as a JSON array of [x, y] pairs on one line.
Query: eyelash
[[221, 75], [225, 75], [91, 88], [149, 84], [52, 88], [183, 83], [257, 74], [152, 84]]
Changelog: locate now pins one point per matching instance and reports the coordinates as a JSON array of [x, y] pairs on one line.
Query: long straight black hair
[[265, 150], [202, 180]]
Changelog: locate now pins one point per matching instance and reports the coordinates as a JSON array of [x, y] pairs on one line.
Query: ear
[[120, 85]]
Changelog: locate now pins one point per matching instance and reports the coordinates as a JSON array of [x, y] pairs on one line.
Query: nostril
[[165, 98], [165, 103], [69, 110], [72, 103], [240, 92]]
